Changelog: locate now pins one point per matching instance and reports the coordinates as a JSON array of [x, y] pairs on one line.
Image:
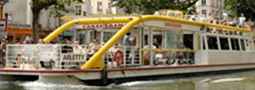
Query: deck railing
[[62, 56], [54, 56], [168, 56]]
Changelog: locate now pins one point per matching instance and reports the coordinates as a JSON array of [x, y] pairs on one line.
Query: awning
[[18, 31], [68, 33], [101, 26]]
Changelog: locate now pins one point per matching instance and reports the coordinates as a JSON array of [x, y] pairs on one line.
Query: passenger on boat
[[47, 64], [2, 52], [160, 58], [118, 57], [92, 48], [18, 60], [40, 41], [146, 54], [129, 41], [21, 61], [146, 57], [66, 47], [242, 20], [112, 50], [77, 49]]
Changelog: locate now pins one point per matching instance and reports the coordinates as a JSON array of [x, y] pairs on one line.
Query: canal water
[[242, 80]]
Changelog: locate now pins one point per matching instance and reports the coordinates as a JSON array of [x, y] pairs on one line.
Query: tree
[[150, 6], [237, 7], [38, 5]]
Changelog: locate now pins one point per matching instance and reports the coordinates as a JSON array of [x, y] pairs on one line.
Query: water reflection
[[234, 81]]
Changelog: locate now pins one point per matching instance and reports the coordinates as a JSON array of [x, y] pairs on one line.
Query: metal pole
[[104, 74]]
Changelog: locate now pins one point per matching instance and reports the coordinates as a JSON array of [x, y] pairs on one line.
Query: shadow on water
[[243, 80], [8, 85]]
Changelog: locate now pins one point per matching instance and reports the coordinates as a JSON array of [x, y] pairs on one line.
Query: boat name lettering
[[73, 57]]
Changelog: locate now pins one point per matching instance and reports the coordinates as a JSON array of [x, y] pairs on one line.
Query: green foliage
[[230, 7], [150, 6], [38, 5], [236, 7], [57, 7]]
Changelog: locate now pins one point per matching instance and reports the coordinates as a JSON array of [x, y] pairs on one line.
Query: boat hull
[[125, 74]]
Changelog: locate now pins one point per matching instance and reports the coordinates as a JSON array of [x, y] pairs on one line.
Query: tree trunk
[[35, 26]]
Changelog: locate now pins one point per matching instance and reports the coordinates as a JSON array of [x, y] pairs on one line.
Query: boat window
[[224, 43], [212, 42], [157, 41], [146, 40], [242, 45], [107, 36], [129, 39], [248, 43], [235, 44], [203, 43], [188, 41]]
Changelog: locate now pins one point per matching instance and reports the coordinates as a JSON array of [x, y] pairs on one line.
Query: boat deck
[[37, 72], [147, 69]]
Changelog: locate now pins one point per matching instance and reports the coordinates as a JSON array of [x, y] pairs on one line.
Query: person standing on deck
[[241, 20], [2, 52]]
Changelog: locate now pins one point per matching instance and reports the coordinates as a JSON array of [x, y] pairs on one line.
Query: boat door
[[188, 40]]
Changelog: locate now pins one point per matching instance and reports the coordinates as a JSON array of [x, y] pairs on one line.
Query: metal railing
[[52, 56], [62, 56], [168, 56], [123, 56]]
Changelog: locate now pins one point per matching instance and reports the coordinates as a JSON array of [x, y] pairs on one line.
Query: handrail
[[83, 21], [168, 49]]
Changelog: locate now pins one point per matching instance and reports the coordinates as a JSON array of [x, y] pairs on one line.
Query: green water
[[233, 81]]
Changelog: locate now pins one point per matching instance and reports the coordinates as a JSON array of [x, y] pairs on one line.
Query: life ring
[[118, 57]]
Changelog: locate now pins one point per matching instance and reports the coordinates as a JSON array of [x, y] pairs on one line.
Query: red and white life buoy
[[118, 57]]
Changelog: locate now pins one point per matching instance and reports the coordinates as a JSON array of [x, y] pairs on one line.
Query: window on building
[[84, 13], [203, 2], [204, 12], [212, 43], [235, 44], [109, 9], [224, 43], [78, 10], [99, 6]]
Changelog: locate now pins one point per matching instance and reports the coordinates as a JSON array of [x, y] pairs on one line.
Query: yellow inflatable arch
[[96, 60]]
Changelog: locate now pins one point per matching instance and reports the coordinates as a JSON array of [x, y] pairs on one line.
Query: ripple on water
[[35, 85], [146, 83]]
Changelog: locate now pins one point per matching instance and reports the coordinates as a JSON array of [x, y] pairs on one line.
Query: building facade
[[19, 18], [19, 11], [214, 8], [2, 19], [20, 14], [95, 8]]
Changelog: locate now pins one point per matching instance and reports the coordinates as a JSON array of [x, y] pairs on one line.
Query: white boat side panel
[[230, 57], [137, 73]]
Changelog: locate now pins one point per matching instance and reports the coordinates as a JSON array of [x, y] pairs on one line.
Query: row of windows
[[99, 8], [225, 42]]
